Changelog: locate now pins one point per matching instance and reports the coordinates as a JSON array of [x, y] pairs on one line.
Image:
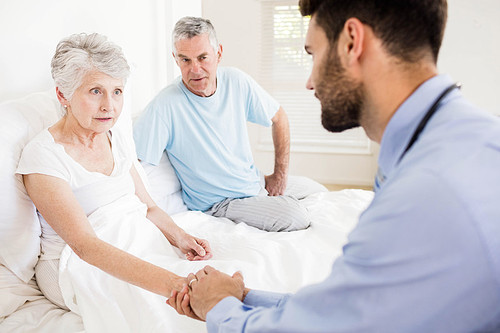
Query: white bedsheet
[[281, 262]]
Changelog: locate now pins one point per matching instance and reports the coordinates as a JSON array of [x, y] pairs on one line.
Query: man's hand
[[275, 184], [210, 287]]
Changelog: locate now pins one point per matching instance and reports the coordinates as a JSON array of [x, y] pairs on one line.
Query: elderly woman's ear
[[60, 96]]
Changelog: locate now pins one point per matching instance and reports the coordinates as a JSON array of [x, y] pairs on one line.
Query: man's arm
[[276, 182]]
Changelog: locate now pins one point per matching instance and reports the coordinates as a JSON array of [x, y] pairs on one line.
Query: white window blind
[[284, 70]]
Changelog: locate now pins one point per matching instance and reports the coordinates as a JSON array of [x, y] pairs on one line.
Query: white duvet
[[281, 262]]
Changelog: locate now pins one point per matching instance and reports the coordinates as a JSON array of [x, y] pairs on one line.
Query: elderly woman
[[80, 165]]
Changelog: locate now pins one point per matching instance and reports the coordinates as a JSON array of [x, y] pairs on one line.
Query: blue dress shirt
[[425, 255]]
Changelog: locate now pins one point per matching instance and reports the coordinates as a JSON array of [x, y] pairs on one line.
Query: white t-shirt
[[92, 189]]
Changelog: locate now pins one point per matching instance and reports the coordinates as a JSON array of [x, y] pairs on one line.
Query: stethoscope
[[380, 178], [427, 117]]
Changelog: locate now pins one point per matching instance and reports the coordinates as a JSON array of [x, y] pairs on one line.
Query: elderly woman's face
[[98, 102]]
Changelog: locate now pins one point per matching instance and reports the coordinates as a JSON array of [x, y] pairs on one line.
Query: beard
[[341, 97]]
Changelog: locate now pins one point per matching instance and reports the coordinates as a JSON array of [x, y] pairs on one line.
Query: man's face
[[340, 96], [198, 63]]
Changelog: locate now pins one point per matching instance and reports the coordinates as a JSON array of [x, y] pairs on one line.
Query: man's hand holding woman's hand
[[207, 288]]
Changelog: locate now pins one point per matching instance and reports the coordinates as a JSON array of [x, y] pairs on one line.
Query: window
[[284, 70]]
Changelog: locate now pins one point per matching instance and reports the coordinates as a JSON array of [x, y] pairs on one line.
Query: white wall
[[31, 29], [471, 50], [470, 54]]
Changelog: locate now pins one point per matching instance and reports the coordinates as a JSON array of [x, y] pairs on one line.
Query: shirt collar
[[405, 120]]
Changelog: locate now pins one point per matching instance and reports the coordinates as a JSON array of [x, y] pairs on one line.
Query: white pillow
[[19, 226], [164, 186]]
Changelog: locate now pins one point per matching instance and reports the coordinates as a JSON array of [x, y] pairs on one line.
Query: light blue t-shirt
[[206, 138], [424, 256]]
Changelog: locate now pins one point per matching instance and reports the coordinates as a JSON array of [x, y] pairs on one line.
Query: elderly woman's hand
[[194, 248], [179, 300]]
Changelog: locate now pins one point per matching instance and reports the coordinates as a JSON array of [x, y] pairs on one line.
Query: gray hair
[[189, 27], [79, 54]]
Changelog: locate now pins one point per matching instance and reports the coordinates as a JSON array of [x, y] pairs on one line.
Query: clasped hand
[[206, 288]]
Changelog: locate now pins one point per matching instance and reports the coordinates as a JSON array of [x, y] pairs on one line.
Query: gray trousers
[[271, 213]]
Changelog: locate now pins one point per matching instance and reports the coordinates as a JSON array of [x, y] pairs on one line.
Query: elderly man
[[200, 120], [424, 255]]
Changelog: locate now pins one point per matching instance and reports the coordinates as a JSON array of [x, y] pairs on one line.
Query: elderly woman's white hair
[[79, 54], [189, 27]]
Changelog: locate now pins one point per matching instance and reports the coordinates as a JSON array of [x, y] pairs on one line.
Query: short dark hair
[[407, 28]]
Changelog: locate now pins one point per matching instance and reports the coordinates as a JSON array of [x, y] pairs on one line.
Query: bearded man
[[424, 255]]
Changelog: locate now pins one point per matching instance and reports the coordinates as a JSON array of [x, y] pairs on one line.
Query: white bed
[[281, 262]]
